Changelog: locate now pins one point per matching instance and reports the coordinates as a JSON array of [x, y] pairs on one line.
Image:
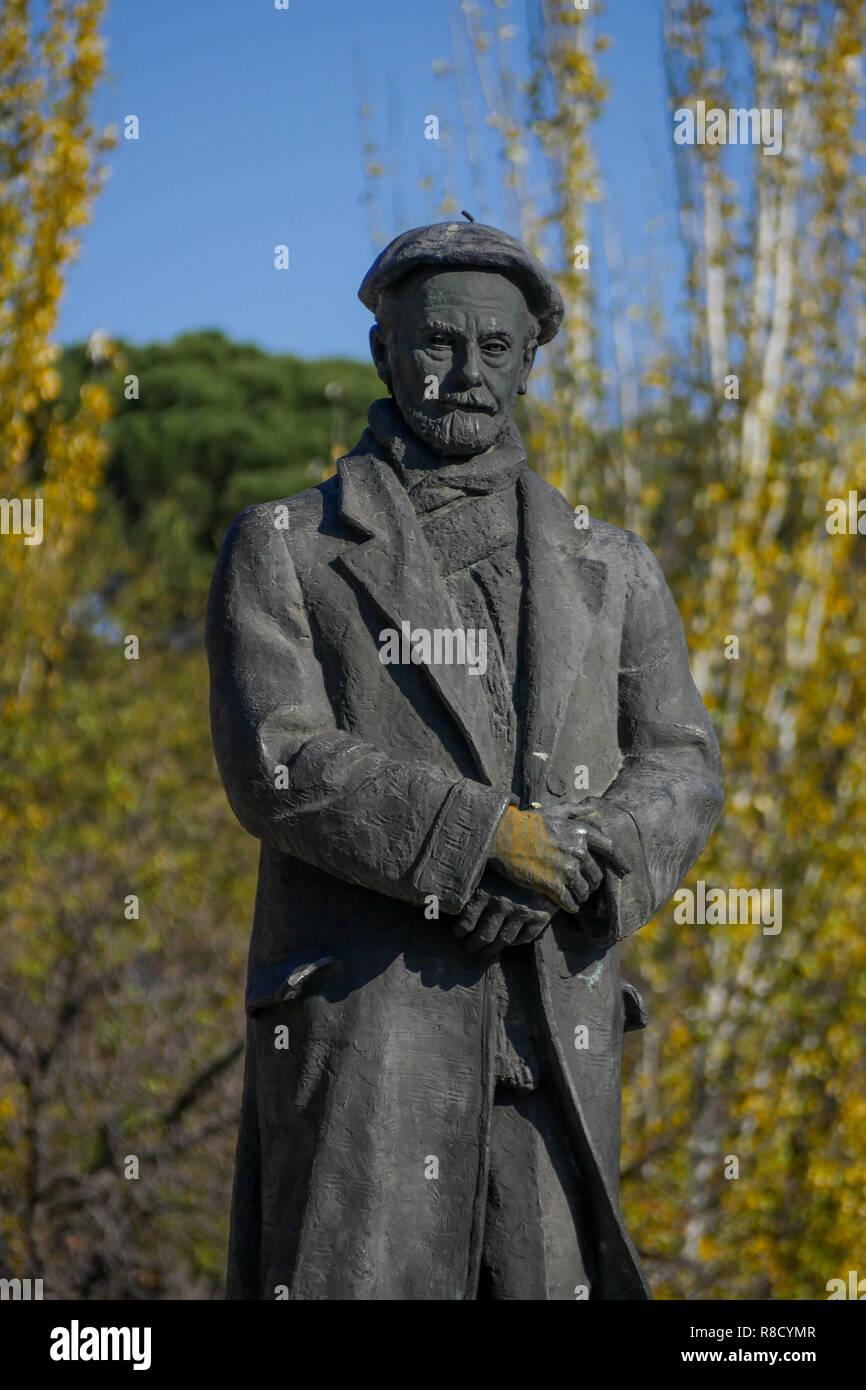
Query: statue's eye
[[495, 346], [437, 340]]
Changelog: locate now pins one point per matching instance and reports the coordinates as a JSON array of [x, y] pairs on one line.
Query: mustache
[[470, 400]]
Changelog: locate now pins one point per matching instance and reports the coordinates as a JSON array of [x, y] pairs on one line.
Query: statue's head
[[460, 310]]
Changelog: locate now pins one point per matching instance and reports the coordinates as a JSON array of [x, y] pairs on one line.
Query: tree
[[126, 884], [119, 992], [49, 176], [202, 427]]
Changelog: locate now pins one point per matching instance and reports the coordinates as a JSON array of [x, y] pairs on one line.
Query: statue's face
[[456, 353]]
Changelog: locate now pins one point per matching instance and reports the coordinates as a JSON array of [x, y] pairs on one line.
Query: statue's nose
[[470, 366]]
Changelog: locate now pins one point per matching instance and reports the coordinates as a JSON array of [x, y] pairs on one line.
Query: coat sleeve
[[663, 805], [295, 780]]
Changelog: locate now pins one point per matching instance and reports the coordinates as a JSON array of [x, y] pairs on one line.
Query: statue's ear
[[528, 359], [379, 352]]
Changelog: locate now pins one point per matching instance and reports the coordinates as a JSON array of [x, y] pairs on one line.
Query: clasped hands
[[550, 861]]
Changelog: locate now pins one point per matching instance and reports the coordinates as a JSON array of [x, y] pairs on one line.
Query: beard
[[472, 423], [463, 433]]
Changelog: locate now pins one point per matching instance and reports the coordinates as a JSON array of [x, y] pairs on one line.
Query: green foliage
[[122, 1033], [217, 426]]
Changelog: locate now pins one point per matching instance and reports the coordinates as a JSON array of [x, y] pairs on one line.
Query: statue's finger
[[591, 872], [596, 840], [486, 930], [577, 884], [590, 837], [532, 930], [469, 916], [514, 924]]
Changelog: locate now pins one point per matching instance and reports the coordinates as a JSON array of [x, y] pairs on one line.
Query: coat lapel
[[398, 570], [564, 594]]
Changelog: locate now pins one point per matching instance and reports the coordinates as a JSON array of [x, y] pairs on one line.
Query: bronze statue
[[465, 731]]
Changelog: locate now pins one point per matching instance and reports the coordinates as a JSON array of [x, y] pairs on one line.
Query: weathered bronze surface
[[465, 731]]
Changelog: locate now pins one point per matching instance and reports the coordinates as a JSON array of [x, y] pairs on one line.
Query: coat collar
[[564, 592], [397, 568]]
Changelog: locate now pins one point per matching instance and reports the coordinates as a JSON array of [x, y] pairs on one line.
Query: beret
[[467, 244]]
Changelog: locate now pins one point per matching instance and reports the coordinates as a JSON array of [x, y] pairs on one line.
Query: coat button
[[556, 784]]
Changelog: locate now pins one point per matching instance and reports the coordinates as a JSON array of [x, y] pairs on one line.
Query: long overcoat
[[362, 1154]]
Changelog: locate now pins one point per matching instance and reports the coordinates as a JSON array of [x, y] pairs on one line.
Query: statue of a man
[[465, 731]]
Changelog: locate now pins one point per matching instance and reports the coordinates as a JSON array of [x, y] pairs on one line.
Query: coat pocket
[[277, 983], [634, 1008]]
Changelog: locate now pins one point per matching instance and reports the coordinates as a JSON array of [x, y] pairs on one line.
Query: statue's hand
[[554, 854], [499, 915], [581, 828]]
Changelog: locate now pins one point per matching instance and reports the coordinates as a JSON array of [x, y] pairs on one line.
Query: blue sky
[[249, 137]]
